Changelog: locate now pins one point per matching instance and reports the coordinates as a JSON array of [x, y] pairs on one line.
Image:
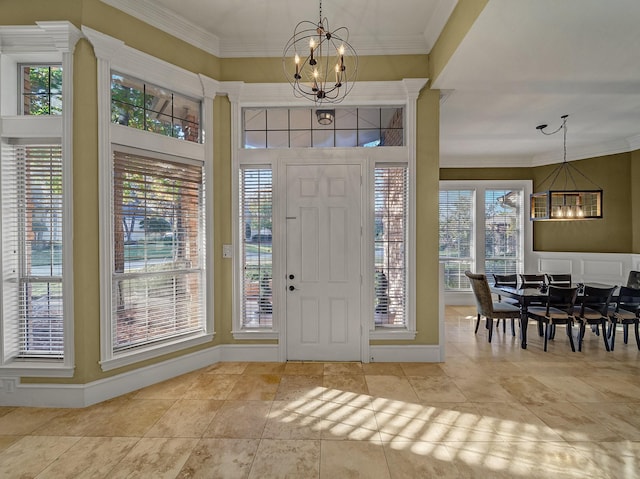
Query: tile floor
[[489, 411]]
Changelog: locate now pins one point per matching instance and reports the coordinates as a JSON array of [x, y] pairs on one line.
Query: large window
[[144, 106], [456, 236], [390, 239], [158, 251], [481, 229], [32, 240], [256, 204]]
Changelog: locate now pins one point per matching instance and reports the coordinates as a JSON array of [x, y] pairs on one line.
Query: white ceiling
[[523, 63]]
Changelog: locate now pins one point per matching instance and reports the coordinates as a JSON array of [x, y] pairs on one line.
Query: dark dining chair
[[633, 281], [559, 279], [625, 313], [593, 309], [559, 309], [486, 306], [532, 280], [510, 280]]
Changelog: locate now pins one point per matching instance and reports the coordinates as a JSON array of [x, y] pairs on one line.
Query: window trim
[[479, 187], [58, 39], [113, 54]]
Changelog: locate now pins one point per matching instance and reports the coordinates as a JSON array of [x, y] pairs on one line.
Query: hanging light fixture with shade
[[564, 203], [320, 64]]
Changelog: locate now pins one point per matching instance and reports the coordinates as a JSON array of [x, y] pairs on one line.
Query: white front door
[[323, 262]]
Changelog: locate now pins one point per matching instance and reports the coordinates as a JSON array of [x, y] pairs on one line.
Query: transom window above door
[[322, 127]]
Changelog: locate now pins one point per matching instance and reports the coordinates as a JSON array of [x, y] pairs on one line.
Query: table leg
[[524, 322]]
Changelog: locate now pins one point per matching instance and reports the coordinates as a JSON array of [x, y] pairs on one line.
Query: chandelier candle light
[[320, 64], [565, 204]]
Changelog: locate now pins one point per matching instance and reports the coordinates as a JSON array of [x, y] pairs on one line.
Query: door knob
[[291, 276], [292, 288]]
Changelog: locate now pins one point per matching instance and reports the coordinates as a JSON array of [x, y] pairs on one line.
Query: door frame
[[280, 260]]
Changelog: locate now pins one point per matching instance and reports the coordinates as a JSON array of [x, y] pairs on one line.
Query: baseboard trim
[[14, 393]]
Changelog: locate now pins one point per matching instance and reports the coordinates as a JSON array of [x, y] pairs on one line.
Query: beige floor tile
[[489, 411], [513, 421], [383, 369], [345, 422], [212, 386], [572, 423], [277, 459], [90, 457], [410, 460], [155, 458], [170, 389], [349, 388], [220, 458], [621, 418], [482, 389], [343, 368], [618, 459], [265, 368], [422, 369], [186, 418], [227, 368], [437, 389], [239, 420], [6, 441], [391, 387], [283, 424], [299, 387], [21, 421], [304, 368], [527, 389], [353, 459], [29, 456], [258, 387]]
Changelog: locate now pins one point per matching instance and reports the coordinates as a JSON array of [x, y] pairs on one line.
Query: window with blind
[[32, 246], [390, 212], [456, 233], [255, 211], [503, 225], [158, 275]]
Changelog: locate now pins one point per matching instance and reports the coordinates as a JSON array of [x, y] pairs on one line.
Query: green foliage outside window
[[41, 89]]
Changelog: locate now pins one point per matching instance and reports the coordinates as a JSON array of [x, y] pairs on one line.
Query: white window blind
[[158, 250], [391, 199], [456, 236], [32, 222], [256, 204], [503, 225]]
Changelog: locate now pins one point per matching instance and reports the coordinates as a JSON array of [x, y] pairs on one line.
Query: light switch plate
[[226, 251]]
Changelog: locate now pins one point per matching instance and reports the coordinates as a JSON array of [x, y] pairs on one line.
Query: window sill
[[255, 334], [37, 369], [392, 333], [154, 352]]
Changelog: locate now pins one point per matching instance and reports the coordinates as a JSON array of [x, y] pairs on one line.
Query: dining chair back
[[559, 279], [486, 306], [633, 281], [625, 313], [532, 280], [559, 309], [593, 308], [506, 280]]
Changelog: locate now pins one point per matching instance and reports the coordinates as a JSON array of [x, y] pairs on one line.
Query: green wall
[[619, 229], [143, 37]]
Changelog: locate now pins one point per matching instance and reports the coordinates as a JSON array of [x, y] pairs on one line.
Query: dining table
[[528, 296]]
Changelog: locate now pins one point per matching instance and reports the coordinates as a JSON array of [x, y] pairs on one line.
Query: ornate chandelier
[[563, 203], [320, 64]]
